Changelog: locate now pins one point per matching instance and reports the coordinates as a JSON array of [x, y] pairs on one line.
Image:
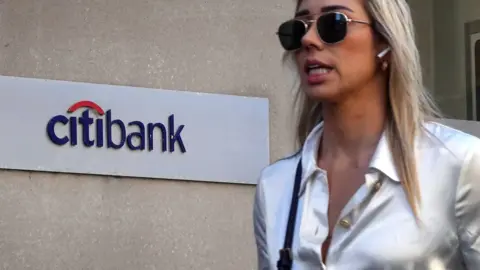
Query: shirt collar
[[382, 159]]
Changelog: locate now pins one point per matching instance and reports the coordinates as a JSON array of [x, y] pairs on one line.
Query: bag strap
[[286, 257]]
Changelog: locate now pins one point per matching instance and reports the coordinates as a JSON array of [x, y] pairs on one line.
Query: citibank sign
[[136, 135]]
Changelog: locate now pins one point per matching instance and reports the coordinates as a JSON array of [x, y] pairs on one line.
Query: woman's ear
[[382, 58]]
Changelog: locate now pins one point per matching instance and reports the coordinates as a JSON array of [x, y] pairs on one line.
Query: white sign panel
[[59, 126]]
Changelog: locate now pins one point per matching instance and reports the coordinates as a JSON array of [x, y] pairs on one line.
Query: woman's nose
[[311, 38]]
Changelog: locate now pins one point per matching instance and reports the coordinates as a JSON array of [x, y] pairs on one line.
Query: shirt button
[[345, 223]]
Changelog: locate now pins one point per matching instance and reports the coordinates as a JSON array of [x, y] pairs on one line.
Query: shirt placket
[[351, 214], [314, 221]]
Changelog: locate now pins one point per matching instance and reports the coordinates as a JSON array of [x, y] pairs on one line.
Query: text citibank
[[144, 133]]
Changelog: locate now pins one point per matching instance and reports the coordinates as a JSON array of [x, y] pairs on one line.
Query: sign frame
[[225, 137]]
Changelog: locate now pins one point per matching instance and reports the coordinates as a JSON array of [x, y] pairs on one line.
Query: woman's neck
[[352, 128]]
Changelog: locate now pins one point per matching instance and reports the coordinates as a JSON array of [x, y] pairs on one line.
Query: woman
[[377, 184]]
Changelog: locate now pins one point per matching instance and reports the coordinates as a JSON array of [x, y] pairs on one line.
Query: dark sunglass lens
[[332, 27], [290, 34]]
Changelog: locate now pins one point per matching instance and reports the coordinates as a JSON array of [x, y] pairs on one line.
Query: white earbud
[[383, 53]]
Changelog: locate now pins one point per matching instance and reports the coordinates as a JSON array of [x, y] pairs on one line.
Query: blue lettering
[[140, 135], [134, 140], [151, 127], [73, 130], [119, 123], [85, 121], [99, 133], [51, 129], [175, 136]]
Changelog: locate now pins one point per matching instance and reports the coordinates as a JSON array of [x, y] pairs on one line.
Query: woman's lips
[[317, 76], [317, 71]]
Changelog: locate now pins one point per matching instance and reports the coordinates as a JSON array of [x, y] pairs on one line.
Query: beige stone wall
[[58, 221]]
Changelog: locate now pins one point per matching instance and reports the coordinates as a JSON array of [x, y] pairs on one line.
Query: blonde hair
[[409, 102]]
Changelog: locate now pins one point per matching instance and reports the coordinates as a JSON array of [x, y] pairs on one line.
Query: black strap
[[286, 258]]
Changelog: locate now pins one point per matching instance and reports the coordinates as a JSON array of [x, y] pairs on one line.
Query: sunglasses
[[331, 28]]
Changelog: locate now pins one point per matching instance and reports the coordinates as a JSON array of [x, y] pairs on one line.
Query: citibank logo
[[136, 135]]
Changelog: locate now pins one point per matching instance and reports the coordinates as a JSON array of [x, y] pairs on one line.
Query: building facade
[[66, 221]]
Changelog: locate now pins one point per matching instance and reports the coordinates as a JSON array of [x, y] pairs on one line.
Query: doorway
[[472, 57], [476, 69], [475, 74]]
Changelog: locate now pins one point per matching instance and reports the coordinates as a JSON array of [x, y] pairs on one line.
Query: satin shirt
[[377, 228]]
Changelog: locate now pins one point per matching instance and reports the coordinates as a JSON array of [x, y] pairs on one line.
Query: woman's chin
[[321, 92]]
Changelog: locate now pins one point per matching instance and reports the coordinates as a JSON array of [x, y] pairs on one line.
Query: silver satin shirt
[[377, 229]]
